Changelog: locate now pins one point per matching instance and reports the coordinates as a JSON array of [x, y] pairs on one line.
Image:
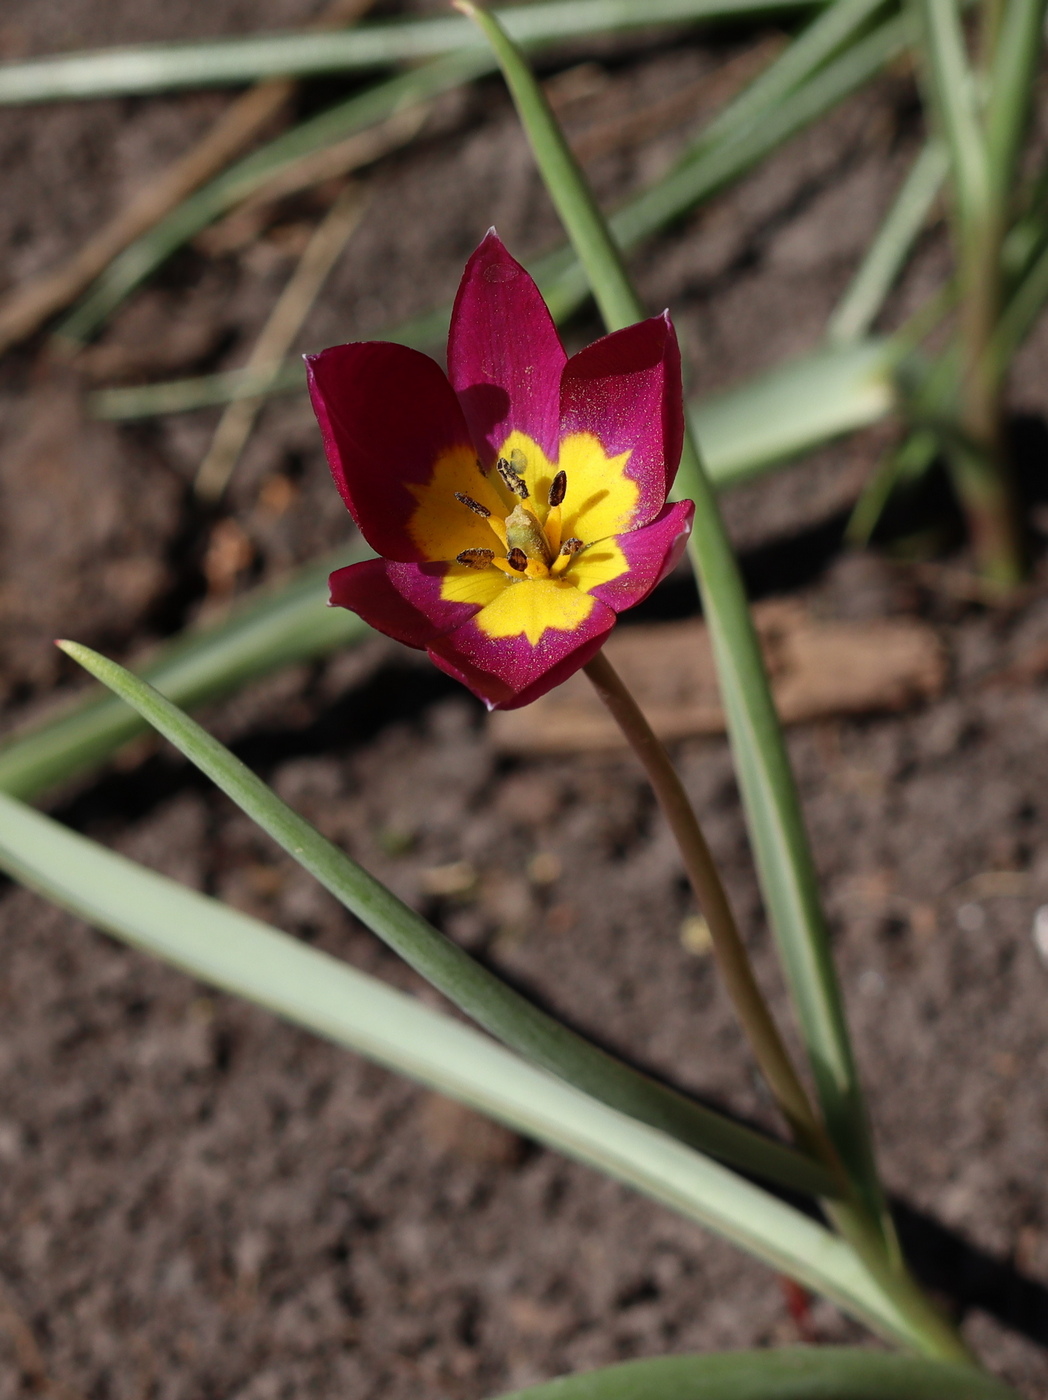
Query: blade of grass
[[740, 143], [219, 62], [887, 254], [779, 837], [281, 626], [31, 303], [475, 990], [783, 1373], [780, 842], [240, 955], [294, 304], [1010, 88], [380, 108], [955, 102], [562, 277]]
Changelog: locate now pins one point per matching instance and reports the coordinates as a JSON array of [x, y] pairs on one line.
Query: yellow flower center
[[526, 521]]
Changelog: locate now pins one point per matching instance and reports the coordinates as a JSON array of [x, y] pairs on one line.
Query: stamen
[[475, 558], [473, 505], [571, 546], [518, 560], [558, 488], [511, 477]]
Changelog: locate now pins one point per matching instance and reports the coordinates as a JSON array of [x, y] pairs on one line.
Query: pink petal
[[386, 414], [652, 553], [504, 354], [401, 600], [507, 672], [626, 390]]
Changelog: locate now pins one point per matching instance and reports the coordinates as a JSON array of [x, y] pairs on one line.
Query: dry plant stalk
[[29, 305], [278, 334]]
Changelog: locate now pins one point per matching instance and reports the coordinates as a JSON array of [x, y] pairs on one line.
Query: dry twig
[[277, 337]]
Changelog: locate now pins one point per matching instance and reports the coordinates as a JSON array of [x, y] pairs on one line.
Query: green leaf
[[312, 989], [789, 1373], [467, 983], [277, 627], [955, 102], [1011, 80], [887, 254], [141, 259], [223, 62], [776, 826], [790, 95]]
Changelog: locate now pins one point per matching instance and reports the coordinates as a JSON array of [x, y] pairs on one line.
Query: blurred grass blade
[[566, 287], [367, 109], [791, 409], [782, 1373], [1010, 87], [740, 142], [279, 626], [783, 855], [222, 62], [465, 982], [312, 989], [955, 101], [887, 254], [827, 35]]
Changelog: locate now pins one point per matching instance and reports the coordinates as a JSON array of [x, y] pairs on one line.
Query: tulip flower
[[519, 503]]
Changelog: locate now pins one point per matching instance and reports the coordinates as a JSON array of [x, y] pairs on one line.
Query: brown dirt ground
[[198, 1201]]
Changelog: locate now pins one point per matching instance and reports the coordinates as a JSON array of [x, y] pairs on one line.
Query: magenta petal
[[504, 354], [507, 672], [386, 414], [401, 600], [626, 389], [652, 552]]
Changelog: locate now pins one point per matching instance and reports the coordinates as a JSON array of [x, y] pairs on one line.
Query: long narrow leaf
[[240, 955], [707, 167], [773, 811], [467, 983], [787, 1373], [223, 62], [280, 627], [141, 259], [1010, 87], [887, 254], [955, 101]]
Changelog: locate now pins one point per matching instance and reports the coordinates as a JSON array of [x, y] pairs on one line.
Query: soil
[[199, 1201]]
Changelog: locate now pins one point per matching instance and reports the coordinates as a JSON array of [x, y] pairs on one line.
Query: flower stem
[[732, 958], [850, 1215]]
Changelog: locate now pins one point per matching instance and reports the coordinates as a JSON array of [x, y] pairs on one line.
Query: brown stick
[[29, 305]]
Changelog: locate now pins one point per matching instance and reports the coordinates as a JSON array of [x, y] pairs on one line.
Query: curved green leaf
[[792, 1373], [469, 985]]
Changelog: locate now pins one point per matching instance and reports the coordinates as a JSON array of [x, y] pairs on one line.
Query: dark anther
[[474, 506], [558, 488], [475, 558], [510, 477], [518, 560], [571, 546]]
